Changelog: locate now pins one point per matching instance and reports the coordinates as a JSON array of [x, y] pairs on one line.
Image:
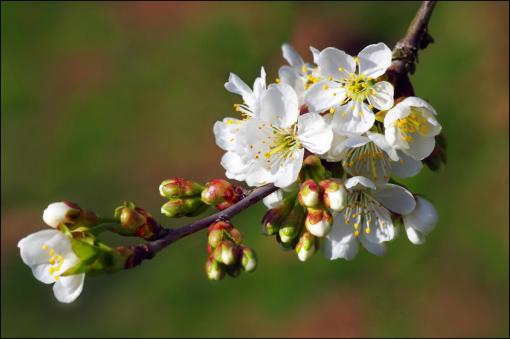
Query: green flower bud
[[213, 269], [183, 207], [217, 191], [292, 224], [309, 194], [248, 259], [215, 238], [312, 168], [179, 187], [135, 221], [335, 195], [235, 235], [318, 221], [306, 246], [272, 220]]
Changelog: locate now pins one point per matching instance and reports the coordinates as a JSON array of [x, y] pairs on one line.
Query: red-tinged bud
[[213, 269], [226, 252], [318, 221], [248, 259], [179, 187], [183, 207], [135, 221], [68, 213], [309, 194], [306, 246], [335, 195], [272, 220], [235, 235], [220, 225], [217, 191]]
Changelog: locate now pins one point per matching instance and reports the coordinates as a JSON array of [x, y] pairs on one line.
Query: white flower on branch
[[421, 221]]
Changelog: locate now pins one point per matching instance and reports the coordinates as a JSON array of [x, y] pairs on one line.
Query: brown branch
[[405, 53], [405, 56]]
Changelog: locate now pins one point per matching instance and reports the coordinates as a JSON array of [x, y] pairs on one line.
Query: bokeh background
[[102, 101]]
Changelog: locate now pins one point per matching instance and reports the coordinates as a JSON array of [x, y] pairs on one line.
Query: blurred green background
[[102, 101]]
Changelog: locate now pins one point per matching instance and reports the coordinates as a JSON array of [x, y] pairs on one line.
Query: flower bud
[[213, 269], [309, 193], [313, 167], [215, 237], [274, 217], [225, 253], [179, 187], [235, 235], [135, 221], [292, 224], [183, 207], [318, 221], [248, 259], [305, 248], [335, 195], [217, 191], [63, 212], [220, 225], [233, 270]]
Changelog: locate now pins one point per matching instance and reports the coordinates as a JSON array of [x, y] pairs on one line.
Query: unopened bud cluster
[[227, 254], [304, 215]]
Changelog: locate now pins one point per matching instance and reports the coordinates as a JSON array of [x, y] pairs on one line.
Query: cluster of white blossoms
[[342, 110]]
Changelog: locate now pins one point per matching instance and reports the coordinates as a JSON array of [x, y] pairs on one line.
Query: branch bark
[[405, 57]]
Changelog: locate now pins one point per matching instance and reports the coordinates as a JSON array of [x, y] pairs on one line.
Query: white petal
[[374, 60], [227, 133], [354, 117], [289, 170], [292, 57], [395, 198], [279, 105], [382, 99], [382, 143], [290, 76], [67, 289], [333, 250], [259, 86], [399, 111], [238, 86], [331, 59], [315, 53], [359, 183], [374, 248], [314, 133], [323, 95], [381, 227], [424, 217], [414, 236], [420, 147], [258, 175], [234, 165], [406, 167], [273, 199], [418, 102]]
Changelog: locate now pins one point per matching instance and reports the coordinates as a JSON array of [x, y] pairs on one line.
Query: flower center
[[411, 124], [360, 209], [367, 160], [243, 110], [358, 86], [56, 260], [284, 142]]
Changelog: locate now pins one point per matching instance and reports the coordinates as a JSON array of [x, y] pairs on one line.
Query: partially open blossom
[[271, 145], [49, 254], [334, 194], [367, 218], [350, 88], [318, 221], [421, 221], [62, 212], [411, 127]]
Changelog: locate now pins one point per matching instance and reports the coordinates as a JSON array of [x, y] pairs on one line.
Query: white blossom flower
[[421, 221], [411, 126], [49, 254], [299, 75], [61, 212], [269, 147], [250, 97], [366, 218], [349, 83]]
